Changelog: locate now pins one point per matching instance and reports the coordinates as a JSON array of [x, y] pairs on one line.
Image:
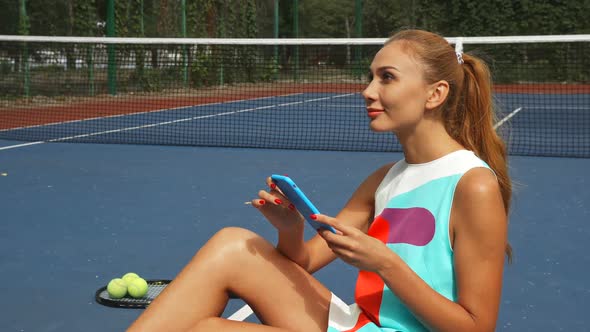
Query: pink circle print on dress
[[414, 226]]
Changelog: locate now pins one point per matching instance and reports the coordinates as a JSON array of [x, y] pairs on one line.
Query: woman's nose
[[369, 93]]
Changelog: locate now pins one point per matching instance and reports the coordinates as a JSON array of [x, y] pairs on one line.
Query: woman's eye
[[387, 76]]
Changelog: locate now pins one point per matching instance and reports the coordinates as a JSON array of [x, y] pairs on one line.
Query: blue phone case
[[298, 198]]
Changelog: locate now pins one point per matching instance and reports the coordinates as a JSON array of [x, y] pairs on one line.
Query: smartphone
[[301, 202]]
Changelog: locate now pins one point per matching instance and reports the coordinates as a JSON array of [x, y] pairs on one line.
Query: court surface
[[76, 215]]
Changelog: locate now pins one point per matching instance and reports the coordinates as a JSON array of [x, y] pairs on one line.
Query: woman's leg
[[280, 292]]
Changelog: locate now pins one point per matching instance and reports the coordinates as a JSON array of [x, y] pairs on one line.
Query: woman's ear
[[437, 94]]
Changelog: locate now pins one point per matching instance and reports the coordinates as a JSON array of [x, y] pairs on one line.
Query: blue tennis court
[[77, 215]]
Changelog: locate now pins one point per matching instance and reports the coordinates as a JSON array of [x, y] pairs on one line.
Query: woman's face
[[397, 93]]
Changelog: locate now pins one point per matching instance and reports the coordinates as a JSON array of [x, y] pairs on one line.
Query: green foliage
[[317, 18], [84, 18], [325, 19], [9, 17], [250, 19], [268, 70], [48, 17], [129, 19], [202, 73], [149, 79], [5, 67], [200, 17]]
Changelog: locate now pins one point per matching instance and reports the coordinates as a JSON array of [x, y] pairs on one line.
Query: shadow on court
[[75, 216]]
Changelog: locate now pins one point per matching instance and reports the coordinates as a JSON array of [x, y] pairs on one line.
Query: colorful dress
[[412, 212]]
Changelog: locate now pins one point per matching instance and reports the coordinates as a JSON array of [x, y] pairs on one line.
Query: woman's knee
[[232, 237], [233, 242], [233, 234]]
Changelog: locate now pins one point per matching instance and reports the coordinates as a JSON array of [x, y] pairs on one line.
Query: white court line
[[152, 111], [242, 313], [556, 107], [173, 121], [507, 117], [19, 145]]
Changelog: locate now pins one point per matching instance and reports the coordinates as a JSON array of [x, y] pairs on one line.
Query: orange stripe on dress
[[369, 286], [369, 294]]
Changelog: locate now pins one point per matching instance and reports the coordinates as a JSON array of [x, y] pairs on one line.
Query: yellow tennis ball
[[117, 288], [128, 277], [137, 288]]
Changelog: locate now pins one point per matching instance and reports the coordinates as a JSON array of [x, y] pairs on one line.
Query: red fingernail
[[272, 185], [261, 202], [291, 206], [278, 201], [313, 216]]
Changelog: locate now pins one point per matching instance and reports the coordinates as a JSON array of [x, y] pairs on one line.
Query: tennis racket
[[155, 287]]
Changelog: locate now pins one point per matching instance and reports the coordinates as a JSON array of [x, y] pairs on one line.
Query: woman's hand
[[278, 209], [356, 247]]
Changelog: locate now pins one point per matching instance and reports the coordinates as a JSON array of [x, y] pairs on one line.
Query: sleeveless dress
[[412, 212]]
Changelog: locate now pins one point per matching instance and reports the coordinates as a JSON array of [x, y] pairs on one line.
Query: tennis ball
[[129, 276], [117, 288], [137, 288]]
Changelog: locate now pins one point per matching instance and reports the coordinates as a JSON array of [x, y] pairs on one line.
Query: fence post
[[24, 30], [112, 61]]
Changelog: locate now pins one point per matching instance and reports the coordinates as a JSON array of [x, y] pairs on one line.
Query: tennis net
[[269, 93]]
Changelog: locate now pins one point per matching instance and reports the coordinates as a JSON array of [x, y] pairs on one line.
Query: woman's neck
[[426, 143]]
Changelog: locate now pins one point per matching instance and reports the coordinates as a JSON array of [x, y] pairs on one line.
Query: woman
[[428, 233]]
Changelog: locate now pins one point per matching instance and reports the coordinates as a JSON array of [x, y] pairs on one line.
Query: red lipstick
[[373, 112]]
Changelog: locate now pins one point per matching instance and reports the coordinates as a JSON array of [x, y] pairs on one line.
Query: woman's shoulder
[[478, 187], [478, 211], [478, 180]]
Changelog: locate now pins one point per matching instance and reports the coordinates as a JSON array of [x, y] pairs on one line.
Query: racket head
[[155, 287]]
